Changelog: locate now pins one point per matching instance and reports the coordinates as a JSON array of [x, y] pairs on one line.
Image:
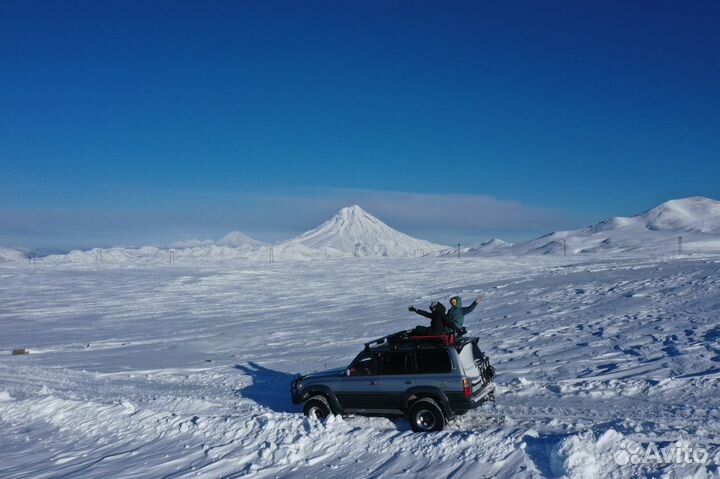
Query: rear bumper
[[459, 403]]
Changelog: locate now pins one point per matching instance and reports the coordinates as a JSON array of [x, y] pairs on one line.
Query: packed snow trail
[[173, 371]]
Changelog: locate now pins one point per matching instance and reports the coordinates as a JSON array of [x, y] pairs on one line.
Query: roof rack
[[384, 339], [403, 337]]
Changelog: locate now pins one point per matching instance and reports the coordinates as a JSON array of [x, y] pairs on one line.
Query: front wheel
[[426, 416], [317, 407]]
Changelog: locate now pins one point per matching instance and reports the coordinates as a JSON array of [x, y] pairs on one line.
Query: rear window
[[393, 363], [433, 362]]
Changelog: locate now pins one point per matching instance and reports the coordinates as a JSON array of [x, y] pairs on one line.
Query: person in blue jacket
[[456, 313]]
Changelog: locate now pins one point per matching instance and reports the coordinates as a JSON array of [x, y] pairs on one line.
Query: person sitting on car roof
[[456, 313], [437, 320]]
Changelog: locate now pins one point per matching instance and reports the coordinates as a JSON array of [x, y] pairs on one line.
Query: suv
[[429, 379]]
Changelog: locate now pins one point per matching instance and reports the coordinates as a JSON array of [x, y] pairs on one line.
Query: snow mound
[[352, 227], [585, 456]]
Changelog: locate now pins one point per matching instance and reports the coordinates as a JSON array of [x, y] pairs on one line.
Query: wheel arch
[[324, 391], [419, 392]]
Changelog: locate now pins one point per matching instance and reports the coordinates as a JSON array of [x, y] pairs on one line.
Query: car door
[[357, 391], [395, 376], [377, 383], [432, 369]]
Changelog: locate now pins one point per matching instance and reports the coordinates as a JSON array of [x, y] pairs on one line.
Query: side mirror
[[346, 372]]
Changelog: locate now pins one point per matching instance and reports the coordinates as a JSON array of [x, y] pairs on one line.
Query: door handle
[[373, 382], [408, 382]]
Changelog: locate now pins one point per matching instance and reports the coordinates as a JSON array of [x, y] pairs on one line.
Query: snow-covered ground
[[183, 370]]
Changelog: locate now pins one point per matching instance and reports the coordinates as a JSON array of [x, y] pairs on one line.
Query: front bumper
[[295, 390]]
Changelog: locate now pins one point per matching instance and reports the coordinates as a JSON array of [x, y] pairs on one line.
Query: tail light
[[467, 387]]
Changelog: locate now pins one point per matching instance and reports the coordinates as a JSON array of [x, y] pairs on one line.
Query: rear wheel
[[317, 407], [426, 416]]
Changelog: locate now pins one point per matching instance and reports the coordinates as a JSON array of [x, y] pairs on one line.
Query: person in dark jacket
[[456, 313], [437, 320]]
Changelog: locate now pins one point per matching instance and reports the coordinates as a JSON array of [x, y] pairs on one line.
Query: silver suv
[[429, 379]]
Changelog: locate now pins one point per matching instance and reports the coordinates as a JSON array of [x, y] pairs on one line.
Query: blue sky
[[147, 122]]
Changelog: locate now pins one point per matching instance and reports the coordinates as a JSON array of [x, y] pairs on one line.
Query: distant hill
[[696, 219], [8, 254]]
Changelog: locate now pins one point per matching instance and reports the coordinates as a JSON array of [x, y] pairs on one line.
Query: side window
[[433, 362], [394, 363], [364, 366]]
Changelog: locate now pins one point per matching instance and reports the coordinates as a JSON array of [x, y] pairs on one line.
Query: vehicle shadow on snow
[[269, 388]]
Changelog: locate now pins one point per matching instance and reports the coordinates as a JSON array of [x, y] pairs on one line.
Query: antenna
[[272, 255], [458, 250], [172, 256], [357, 250], [679, 244], [564, 248]]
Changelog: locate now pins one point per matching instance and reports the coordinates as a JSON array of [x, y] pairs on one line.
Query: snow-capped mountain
[[696, 219], [353, 226]]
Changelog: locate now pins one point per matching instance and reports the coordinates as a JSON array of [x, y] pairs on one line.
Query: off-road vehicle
[[429, 379]]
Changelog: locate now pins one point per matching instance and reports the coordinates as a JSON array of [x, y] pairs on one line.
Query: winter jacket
[[437, 319], [456, 314]]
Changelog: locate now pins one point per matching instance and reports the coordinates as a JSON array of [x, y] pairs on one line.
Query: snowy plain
[[183, 370]]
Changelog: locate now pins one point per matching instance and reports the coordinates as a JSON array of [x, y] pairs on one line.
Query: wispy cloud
[[422, 210], [273, 216]]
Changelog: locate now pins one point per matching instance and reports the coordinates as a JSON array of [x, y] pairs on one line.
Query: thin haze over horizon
[[131, 123]]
